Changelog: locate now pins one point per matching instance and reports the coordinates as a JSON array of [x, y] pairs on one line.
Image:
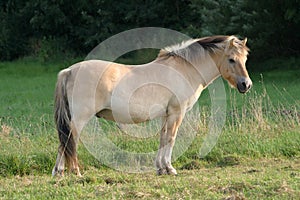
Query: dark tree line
[[51, 27]]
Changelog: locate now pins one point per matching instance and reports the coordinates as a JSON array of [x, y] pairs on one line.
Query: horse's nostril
[[244, 84]]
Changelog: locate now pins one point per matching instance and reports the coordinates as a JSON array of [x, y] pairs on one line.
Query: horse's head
[[232, 64]]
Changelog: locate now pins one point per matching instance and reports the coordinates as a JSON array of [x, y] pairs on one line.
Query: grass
[[256, 156], [253, 179]]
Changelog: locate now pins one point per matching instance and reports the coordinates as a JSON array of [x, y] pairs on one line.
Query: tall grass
[[263, 123], [257, 129]]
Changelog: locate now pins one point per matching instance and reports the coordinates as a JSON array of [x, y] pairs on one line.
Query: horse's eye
[[231, 61]]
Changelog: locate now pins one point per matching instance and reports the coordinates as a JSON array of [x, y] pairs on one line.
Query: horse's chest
[[193, 99], [190, 103]]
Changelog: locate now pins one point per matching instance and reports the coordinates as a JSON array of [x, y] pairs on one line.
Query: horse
[[165, 88]]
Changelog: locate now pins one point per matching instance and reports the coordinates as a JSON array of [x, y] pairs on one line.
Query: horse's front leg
[[167, 141], [161, 169]]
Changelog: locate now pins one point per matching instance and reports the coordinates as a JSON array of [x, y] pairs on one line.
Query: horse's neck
[[199, 73], [207, 69]]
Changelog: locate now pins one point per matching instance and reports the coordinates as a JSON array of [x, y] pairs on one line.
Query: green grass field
[[257, 155]]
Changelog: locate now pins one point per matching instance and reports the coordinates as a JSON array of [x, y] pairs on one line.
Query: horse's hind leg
[[73, 164], [76, 127], [60, 163], [71, 161], [79, 120]]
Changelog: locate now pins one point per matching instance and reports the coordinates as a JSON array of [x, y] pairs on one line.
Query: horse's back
[[96, 71], [91, 66], [90, 84]]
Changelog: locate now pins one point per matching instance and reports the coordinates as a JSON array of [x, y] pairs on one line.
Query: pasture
[[256, 157]]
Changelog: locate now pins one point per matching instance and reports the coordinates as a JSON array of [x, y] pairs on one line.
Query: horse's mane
[[198, 47]]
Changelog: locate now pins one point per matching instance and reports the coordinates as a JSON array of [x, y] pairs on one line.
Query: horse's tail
[[63, 117]]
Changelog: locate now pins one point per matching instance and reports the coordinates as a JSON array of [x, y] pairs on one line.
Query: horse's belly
[[138, 113], [140, 104]]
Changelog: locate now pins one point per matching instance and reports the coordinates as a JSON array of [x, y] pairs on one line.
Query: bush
[[48, 49], [79, 26]]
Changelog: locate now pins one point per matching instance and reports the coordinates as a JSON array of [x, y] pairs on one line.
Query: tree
[[271, 26], [61, 26]]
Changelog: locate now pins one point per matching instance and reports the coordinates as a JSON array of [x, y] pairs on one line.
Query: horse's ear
[[231, 43], [244, 41]]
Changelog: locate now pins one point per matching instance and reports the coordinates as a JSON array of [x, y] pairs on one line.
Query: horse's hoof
[[56, 172], [76, 171], [172, 171], [161, 172]]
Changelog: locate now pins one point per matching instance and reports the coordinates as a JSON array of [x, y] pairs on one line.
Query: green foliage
[[269, 25], [14, 30], [51, 49], [272, 26], [78, 25]]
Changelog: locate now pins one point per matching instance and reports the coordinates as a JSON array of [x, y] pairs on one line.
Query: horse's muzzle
[[244, 84]]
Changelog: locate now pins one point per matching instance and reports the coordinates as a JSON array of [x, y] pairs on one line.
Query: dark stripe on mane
[[210, 43]]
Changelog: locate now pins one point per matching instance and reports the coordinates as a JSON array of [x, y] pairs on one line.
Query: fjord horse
[[165, 88]]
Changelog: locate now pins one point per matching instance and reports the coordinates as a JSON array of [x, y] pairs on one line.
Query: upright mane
[[188, 50]]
